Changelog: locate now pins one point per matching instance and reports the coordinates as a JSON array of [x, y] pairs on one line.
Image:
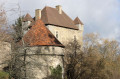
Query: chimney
[[59, 8], [37, 14]]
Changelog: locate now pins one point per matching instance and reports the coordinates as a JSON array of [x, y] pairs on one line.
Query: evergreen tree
[[18, 29]]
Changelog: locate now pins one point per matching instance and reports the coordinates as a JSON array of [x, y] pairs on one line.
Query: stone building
[[5, 51], [45, 37], [58, 22]]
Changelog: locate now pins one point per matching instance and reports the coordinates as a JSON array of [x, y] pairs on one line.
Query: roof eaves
[[62, 26]]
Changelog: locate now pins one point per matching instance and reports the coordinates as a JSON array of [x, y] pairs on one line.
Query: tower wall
[[25, 26], [39, 60]]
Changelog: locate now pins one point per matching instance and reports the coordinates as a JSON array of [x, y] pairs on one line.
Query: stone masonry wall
[[5, 50], [40, 59], [66, 35]]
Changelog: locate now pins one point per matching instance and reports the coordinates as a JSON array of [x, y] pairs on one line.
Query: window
[[56, 34], [75, 37]]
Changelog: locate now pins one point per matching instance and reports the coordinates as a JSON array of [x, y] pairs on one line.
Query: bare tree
[[97, 60], [2, 15], [3, 23]]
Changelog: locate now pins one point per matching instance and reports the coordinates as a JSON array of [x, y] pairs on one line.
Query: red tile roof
[[39, 35], [77, 21], [51, 16]]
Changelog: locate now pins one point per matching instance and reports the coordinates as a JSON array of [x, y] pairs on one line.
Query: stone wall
[[40, 59], [5, 50], [66, 35], [25, 26]]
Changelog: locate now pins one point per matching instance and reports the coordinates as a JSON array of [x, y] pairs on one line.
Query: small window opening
[[74, 37], [56, 34]]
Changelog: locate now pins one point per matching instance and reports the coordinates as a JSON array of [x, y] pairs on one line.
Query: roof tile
[[39, 35], [51, 16]]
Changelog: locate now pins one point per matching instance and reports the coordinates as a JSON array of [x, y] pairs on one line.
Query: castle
[[45, 37]]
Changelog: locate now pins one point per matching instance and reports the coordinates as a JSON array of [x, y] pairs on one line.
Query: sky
[[98, 16]]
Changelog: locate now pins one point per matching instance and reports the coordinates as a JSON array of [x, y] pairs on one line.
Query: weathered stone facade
[[66, 35], [40, 59], [25, 27], [5, 50]]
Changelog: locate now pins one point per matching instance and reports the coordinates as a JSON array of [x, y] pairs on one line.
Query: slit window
[[56, 34], [74, 37]]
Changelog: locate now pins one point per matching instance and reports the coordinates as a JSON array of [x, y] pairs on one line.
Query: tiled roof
[[39, 35], [51, 16], [28, 18], [77, 21]]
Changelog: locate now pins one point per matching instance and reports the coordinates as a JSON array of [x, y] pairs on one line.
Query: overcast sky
[[101, 16]]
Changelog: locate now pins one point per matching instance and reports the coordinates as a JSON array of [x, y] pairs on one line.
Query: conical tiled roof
[[39, 35], [77, 21], [28, 18]]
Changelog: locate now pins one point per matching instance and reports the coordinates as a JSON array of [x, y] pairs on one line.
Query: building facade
[[58, 22], [47, 34]]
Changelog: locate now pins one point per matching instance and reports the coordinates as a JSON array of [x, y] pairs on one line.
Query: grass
[[4, 75]]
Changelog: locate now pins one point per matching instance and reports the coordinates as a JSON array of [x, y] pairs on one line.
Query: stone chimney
[[59, 8], [37, 14]]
